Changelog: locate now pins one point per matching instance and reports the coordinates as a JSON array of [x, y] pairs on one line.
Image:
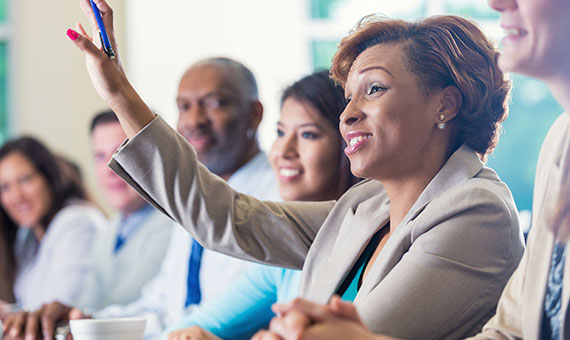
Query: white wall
[[165, 37], [51, 95]]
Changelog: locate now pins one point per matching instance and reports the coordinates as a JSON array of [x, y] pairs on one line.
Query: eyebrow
[[376, 68], [207, 95], [304, 125]]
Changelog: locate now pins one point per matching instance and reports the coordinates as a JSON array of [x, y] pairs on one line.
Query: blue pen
[[103, 32]]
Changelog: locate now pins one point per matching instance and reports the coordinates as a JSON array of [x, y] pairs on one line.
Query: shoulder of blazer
[[362, 191]]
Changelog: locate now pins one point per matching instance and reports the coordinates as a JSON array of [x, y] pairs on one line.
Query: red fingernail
[[72, 34]]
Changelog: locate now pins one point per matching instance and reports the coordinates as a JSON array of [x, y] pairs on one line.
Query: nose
[[503, 5], [351, 115], [194, 117], [287, 148]]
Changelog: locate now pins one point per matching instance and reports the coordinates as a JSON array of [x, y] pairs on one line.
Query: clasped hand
[[301, 319]]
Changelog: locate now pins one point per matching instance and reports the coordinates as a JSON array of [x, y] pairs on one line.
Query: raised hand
[[107, 75]]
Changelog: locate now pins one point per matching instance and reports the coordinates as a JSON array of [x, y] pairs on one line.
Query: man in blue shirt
[[138, 233]]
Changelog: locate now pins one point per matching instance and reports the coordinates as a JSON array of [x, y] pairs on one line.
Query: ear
[[450, 101], [256, 114]]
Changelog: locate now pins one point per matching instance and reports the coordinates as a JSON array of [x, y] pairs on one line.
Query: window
[[532, 108], [4, 60]]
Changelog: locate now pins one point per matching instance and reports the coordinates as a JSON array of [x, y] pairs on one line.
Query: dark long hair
[[64, 181], [322, 93]]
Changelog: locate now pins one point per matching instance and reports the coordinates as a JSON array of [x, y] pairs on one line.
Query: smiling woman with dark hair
[[46, 219], [308, 160], [424, 245]]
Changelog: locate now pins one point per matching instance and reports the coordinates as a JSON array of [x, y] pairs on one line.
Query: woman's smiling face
[[536, 40], [306, 153], [387, 124]]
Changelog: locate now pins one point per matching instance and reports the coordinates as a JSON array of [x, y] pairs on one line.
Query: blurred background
[[45, 91]]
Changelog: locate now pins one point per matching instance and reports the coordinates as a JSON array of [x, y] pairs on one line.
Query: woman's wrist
[[132, 111]]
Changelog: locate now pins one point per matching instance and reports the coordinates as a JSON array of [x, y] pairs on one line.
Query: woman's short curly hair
[[441, 51]]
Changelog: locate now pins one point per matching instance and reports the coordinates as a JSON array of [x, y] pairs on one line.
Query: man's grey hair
[[247, 77]]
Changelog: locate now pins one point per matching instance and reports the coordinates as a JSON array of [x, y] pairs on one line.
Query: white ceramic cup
[[108, 329]]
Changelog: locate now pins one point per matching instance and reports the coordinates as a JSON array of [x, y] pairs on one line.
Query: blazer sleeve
[[163, 168], [506, 324], [463, 248]]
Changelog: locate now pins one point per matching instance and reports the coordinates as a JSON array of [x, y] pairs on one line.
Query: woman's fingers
[[97, 42], [85, 44], [265, 335], [343, 309], [316, 312], [79, 28], [106, 15], [88, 11], [291, 326]]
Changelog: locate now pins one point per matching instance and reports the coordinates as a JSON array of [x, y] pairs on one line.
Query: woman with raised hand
[[534, 304], [47, 225], [432, 235]]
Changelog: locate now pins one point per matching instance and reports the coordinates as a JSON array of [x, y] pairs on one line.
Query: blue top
[[245, 306]]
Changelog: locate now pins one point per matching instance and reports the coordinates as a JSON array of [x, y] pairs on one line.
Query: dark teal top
[[352, 282]]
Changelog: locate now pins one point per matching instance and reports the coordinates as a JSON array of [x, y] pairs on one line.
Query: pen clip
[[108, 50]]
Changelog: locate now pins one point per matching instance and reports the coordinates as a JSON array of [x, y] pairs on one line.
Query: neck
[[403, 194], [39, 232], [252, 151], [136, 206], [560, 88], [404, 189]]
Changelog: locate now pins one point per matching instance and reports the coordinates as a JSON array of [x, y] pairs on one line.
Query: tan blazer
[[520, 309], [438, 277]]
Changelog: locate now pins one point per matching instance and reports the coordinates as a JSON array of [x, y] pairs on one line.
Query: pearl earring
[[442, 124]]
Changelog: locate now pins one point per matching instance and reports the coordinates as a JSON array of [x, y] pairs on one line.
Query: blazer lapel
[[460, 167], [355, 232]]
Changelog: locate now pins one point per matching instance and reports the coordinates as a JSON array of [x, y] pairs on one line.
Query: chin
[[288, 193], [357, 172], [513, 62]]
